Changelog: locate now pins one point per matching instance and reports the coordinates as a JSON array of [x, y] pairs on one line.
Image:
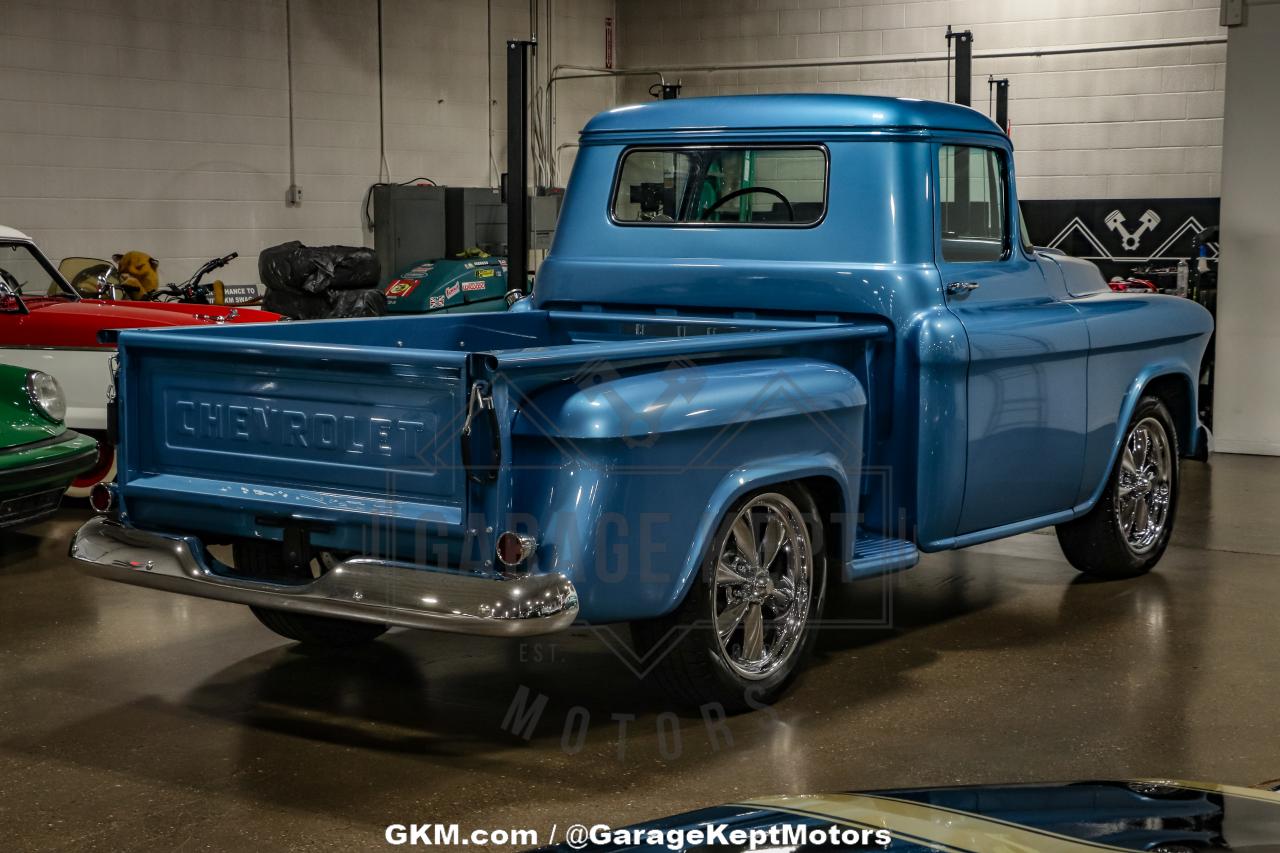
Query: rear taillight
[[515, 548], [102, 498]]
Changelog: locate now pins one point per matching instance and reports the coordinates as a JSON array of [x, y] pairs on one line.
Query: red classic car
[[46, 325]]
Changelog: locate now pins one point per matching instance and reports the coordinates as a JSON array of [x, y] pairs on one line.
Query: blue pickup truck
[[780, 342]]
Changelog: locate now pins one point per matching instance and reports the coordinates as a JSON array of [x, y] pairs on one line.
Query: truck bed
[[240, 432]]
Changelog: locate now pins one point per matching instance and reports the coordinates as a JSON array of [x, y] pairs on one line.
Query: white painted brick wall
[[161, 125], [1144, 124], [579, 39]]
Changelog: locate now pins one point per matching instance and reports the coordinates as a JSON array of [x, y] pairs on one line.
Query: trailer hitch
[[295, 540]]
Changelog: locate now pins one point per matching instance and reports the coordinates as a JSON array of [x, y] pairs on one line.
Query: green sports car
[[39, 456]]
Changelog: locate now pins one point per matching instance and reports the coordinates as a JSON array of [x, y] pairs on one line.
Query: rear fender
[[600, 402], [639, 469]]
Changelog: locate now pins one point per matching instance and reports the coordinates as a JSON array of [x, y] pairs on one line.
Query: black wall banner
[[1121, 235]]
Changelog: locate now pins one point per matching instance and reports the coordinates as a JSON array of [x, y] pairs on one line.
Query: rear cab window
[[759, 186]]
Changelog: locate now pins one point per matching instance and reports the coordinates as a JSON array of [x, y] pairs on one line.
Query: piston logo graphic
[[1130, 239]]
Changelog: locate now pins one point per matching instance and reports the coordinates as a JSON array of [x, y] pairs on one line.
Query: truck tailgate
[[323, 433]]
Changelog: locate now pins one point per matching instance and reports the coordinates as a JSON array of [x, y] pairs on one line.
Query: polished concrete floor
[[137, 720]]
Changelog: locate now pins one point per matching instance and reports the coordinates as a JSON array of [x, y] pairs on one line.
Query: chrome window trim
[[725, 146]]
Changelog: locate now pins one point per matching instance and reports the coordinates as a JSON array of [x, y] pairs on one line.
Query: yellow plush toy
[[138, 272]]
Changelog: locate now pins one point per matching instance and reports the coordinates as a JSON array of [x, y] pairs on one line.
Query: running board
[[876, 555]]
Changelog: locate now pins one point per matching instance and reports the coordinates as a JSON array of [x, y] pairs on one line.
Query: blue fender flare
[[1137, 388], [738, 484]]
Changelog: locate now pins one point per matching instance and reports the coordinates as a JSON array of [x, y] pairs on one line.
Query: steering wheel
[[85, 282], [728, 197], [10, 281]]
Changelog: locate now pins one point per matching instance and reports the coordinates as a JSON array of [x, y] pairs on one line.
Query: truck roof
[[12, 234], [788, 113]]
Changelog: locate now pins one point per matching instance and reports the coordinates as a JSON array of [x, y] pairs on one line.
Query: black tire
[[694, 668], [1097, 543], [319, 630], [262, 560]]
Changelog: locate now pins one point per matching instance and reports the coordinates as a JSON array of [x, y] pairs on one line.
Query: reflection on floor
[[129, 717]]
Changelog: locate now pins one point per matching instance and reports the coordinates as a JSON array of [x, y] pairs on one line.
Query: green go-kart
[[472, 284]]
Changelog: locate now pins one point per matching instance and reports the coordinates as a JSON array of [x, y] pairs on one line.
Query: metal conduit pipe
[[566, 71], [940, 56]]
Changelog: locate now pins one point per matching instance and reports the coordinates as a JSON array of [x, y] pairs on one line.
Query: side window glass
[[975, 224], [1027, 242]]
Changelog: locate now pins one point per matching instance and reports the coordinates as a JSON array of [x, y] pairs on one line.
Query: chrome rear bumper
[[360, 588]]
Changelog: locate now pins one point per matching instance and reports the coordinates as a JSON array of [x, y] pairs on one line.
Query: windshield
[[721, 186], [87, 275], [26, 273]]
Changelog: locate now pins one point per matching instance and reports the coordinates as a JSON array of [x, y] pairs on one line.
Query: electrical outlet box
[[293, 197]]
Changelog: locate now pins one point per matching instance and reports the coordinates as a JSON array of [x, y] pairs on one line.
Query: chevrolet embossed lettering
[[390, 438]]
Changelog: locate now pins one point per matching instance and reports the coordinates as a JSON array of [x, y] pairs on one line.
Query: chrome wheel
[[763, 584], [1144, 486]]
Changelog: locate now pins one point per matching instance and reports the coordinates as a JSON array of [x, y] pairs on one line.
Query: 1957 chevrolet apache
[[780, 342]]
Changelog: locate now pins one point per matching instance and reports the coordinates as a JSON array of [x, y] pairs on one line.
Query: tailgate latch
[[479, 401], [481, 451]]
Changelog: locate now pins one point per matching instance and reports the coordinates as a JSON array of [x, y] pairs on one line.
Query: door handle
[[958, 287]]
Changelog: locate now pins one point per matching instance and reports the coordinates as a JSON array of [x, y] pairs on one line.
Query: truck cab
[[779, 342]]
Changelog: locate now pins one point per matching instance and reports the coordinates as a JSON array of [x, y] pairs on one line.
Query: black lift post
[[963, 95], [964, 64], [1002, 101], [517, 183]]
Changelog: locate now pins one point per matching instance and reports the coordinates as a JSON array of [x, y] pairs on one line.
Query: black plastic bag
[[369, 302], [315, 269], [275, 267], [297, 306]]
